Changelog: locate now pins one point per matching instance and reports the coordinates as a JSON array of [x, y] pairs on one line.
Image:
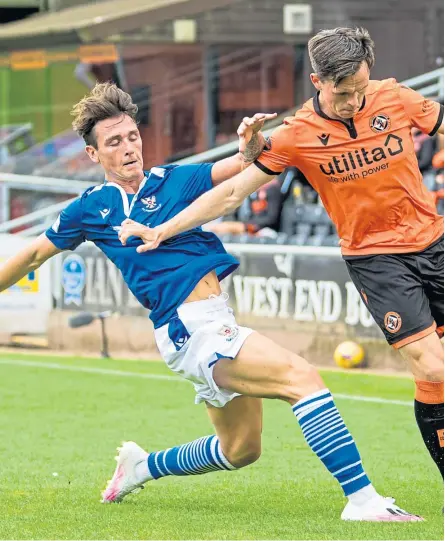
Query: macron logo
[[104, 213], [324, 138]]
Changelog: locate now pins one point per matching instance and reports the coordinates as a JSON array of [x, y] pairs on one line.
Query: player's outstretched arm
[[221, 200], [27, 260], [251, 144]]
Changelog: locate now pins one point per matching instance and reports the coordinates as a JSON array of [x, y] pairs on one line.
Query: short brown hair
[[339, 53], [105, 101]]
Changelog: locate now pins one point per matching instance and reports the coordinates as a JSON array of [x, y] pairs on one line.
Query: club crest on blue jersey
[[150, 204]]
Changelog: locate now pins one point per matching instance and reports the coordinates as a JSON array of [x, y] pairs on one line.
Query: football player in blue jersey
[[231, 367]]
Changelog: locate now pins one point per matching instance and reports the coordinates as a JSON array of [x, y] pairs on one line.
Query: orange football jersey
[[365, 171]]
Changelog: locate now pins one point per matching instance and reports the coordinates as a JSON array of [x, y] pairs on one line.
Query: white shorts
[[193, 342]]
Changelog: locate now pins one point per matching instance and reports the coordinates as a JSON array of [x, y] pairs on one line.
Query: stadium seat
[[268, 240], [282, 238], [227, 237], [241, 239], [315, 240], [331, 240], [298, 240], [303, 229], [288, 218], [322, 229], [256, 240], [315, 214], [300, 212]]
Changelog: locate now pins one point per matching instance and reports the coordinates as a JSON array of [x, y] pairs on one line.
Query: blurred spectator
[[425, 147], [438, 164], [259, 214]]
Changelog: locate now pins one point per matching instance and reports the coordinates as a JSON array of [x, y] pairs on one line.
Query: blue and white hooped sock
[[327, 435], [200, 456]]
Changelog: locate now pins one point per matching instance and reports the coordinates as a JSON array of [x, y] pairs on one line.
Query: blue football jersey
[[163, 278]]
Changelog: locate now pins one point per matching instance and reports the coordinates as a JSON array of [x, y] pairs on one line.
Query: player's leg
[[404, 294], [238, 426], [263, 368], [426, 359], [237, 443]]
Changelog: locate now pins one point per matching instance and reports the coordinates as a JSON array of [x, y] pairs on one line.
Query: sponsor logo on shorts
[[440, 436], [380, 123], [229, 332], [393, 322]]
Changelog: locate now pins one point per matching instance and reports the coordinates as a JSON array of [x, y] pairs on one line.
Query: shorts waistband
[[194, 314]]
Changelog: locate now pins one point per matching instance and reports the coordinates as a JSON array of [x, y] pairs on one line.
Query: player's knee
[[243, 454], [427, 363], [432, 370], [301, 379]]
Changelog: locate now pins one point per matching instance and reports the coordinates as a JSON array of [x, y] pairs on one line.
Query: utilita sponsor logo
[[361, 158]]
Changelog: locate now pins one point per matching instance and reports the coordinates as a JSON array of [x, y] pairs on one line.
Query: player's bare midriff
[[209, 285]]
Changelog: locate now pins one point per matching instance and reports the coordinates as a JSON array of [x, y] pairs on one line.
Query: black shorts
[[403, 292]]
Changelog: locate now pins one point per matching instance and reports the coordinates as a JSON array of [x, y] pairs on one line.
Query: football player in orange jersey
[[353, 142]]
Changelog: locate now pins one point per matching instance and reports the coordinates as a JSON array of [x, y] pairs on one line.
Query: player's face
[[119, 150], [344, 100]]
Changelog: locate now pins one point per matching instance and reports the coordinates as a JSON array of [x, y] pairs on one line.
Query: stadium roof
[[90, 23]]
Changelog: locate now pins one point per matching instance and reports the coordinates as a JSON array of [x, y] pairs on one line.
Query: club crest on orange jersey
[[380, 123]]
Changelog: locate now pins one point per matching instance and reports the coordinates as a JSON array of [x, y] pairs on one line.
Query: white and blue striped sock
[[329, 438], [200, 456]]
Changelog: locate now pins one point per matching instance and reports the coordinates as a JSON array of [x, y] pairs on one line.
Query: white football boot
[[124, 479], [378, 509]]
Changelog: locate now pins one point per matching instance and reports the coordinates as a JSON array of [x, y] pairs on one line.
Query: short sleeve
[[276, 156], [424, 114], [194, 179], [66, 232]]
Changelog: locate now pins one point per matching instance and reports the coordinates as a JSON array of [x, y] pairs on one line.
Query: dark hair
[[339, 53], [105, 101]]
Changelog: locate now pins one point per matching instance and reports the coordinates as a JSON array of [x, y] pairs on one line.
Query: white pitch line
[[91, 370], [121, 373]]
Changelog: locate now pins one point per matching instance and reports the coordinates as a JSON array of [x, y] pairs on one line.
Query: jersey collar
[[126, 205], [349, 126]]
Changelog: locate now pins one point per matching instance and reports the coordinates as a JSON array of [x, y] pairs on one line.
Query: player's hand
[[150, 237], [130, 228], [250, 126]]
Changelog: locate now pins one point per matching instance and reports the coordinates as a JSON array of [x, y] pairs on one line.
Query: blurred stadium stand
[[303, 220], [191, 96]]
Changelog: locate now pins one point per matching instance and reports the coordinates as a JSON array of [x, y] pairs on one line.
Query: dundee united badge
[[380, 123], [393, 322]]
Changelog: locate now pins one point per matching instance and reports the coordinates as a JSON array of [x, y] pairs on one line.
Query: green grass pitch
[[61, 415]]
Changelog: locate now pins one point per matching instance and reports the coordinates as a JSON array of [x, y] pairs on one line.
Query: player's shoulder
[[291, 125], [160, 171], [383, 93], [303, 114], [160, 174], [91, 194], [382, 86]]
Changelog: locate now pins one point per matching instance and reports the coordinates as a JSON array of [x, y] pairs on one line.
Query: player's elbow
[[39, 251]]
